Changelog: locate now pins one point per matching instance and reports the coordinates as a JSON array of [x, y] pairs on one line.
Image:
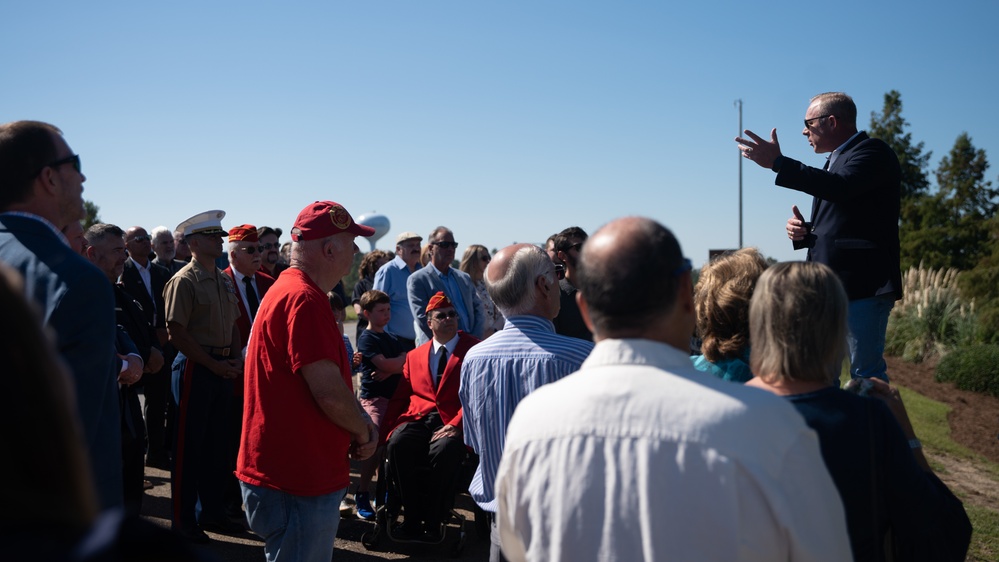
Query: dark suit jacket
[[131, 281], [264, 282], [424, 283], [131, 318], [173, 266], [415, 396], [77, 303], [855, 214]]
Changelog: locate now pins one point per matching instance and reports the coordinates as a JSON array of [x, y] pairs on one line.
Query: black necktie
[[441, 364], [251, 297]]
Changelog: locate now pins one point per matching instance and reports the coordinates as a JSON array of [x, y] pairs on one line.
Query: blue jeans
[[293, 527], [868, 320]]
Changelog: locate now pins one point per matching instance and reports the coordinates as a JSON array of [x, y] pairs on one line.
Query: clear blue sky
[[505, 121]]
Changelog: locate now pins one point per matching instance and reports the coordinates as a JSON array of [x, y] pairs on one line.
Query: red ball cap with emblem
[[243, 233], [439, 300], [326, 218]]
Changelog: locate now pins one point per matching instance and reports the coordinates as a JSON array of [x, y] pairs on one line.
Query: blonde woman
[[798, 327], [474, 263]]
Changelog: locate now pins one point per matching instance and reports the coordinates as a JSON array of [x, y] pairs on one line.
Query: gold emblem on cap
[[340, 217]]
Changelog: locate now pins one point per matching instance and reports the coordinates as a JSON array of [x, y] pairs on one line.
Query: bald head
[[521, 279], [634, 282]]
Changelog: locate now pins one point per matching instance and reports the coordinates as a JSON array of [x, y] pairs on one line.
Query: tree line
[[954, 225]]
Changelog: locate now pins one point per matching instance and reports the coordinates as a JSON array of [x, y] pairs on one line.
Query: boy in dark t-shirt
[[381, 367]]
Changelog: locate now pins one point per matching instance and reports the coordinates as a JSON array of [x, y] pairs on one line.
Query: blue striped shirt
[[496, 375]]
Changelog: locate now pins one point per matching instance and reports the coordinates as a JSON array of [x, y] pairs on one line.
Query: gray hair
[[797, 323], [513, 293], [159, 231]]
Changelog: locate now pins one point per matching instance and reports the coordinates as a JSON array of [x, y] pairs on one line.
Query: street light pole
[[738, 103]]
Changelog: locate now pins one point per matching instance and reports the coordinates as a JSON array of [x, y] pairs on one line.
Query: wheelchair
[[389, 513]]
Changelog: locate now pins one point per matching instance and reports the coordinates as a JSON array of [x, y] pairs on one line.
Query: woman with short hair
[[797, 321]]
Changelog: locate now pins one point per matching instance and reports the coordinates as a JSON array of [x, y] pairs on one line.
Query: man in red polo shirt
[[300, 416]]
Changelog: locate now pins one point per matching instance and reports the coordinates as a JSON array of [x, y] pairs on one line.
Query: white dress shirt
[[638, 456]]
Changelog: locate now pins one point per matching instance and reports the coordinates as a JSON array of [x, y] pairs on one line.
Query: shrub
[[974, 368], [931, 318]]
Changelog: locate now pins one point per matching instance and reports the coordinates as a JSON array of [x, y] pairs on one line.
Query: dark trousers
[[201, 466], [156, 387], [425, 472], [133, 448]]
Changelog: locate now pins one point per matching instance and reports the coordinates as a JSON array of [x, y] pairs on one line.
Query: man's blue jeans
[[293, 527], [868, 321]]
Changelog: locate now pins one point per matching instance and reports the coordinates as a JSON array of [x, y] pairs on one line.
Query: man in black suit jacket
[[854, 221], [144, 281], [106, 250]]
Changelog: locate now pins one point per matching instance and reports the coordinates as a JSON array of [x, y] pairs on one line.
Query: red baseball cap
[[326, 218]]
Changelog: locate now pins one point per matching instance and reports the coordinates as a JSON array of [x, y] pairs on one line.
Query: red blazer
[[415, 392], [264, 282]]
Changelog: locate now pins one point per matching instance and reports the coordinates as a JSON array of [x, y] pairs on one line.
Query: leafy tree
[[981, 284], [90, 218], [890, 127], [950, 228]]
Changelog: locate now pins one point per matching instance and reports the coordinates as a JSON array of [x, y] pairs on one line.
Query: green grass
[[929, 420], [985, 533]]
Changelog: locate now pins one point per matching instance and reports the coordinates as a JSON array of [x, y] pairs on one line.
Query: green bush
[[931, 318], [974, 368]]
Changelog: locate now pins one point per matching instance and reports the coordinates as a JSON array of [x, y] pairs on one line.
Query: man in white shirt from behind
[[638, 456]]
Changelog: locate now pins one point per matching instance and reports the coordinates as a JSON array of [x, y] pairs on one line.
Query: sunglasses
[[140, 238], [270, 246], [485, 259], [445, 245], [251, 249], [442, 316], [73, 159]]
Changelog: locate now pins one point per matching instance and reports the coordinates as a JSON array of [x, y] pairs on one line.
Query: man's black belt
[[223, 351]]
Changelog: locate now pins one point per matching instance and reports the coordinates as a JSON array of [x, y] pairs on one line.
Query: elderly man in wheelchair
[[425, 445]]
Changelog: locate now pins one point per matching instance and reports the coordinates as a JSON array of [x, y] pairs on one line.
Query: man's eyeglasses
[[442, 316], [270, 246], [685, 267], [445, 245], [808, 122], [559, 271], [251, 249], [74, 160], [139, 238]]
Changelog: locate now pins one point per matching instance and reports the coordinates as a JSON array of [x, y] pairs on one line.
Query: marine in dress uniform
[[201, 312]]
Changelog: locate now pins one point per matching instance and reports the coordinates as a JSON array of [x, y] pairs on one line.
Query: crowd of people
[[561, 376]]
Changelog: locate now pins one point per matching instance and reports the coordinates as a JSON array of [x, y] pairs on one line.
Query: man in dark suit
[[41, 192], [426, 446], [106, 250], [854, 221], [144, 281], [251, 283], [165, 249], [438, 275]]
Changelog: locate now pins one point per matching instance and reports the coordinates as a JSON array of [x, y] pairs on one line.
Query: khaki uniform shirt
[[203, 301]]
